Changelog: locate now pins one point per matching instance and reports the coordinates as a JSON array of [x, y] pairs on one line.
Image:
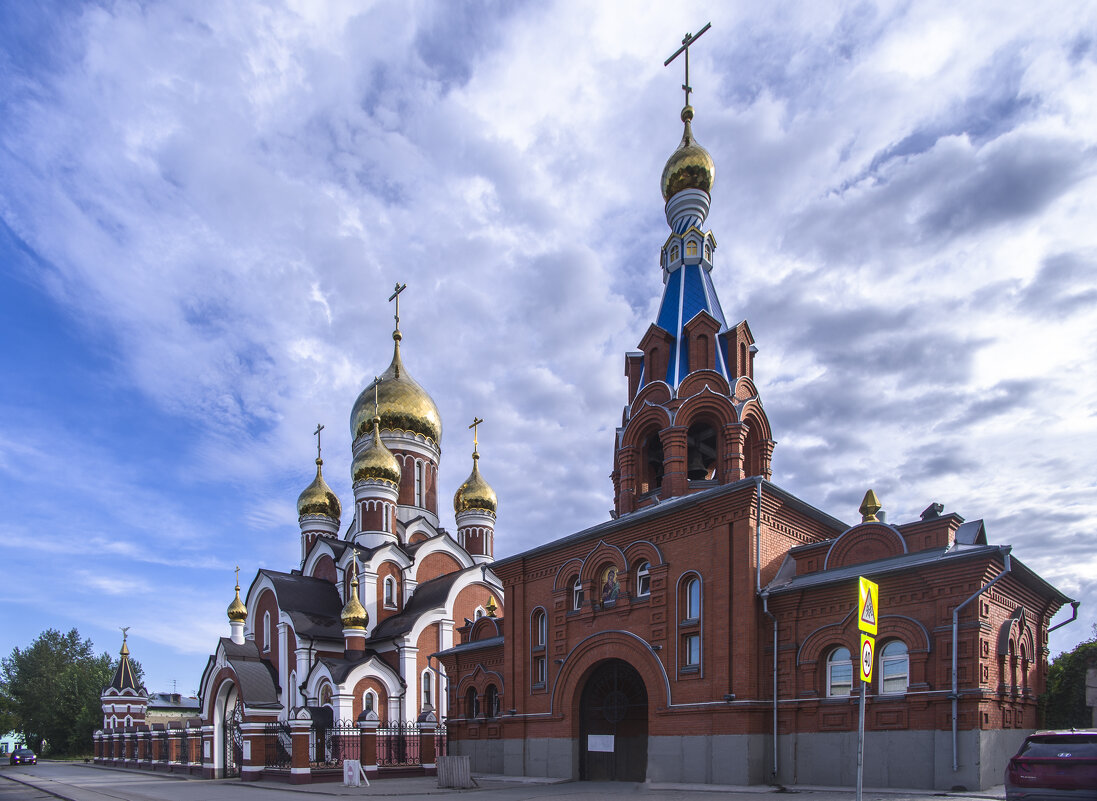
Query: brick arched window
[[894, 668], [491, 698], [839, 673], [689, 623], [538, 642], [643, 579]]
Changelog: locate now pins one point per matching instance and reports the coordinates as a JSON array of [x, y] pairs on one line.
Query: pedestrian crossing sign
[[868, 605]]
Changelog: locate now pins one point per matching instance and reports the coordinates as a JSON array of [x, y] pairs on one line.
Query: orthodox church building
[[704, 633]]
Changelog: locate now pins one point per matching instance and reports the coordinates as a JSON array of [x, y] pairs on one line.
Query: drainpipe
[[773, 617], [758, 534], [1073, 617], [955, 635]]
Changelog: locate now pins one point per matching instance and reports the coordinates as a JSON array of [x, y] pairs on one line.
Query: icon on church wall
[[610, 585]]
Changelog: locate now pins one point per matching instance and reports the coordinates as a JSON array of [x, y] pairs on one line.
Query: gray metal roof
[[477, 645], [313, 604], [427, 596]]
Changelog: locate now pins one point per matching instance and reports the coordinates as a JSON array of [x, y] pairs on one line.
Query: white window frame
[[369, 701], [266, 632], [390, 601], [577, 594], [426, 686], [832, 664], [887, 660], [643, 579], [419, 483]]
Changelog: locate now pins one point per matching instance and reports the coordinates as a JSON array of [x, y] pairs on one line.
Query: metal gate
[[233, 737], [613, 724]]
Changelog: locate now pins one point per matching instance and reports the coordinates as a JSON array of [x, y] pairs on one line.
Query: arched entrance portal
[[613, 724], [228, 740]]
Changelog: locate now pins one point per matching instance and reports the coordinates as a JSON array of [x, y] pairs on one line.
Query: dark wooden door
[[613, 724]]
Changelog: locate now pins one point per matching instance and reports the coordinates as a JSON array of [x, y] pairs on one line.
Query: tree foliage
[[50, 691], [1064, 703]]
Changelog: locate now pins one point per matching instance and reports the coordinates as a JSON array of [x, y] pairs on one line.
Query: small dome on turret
[[237, 612], [318, 499], [403, 405], [354, 615], [475, 493], [690, 166], [376, 462]]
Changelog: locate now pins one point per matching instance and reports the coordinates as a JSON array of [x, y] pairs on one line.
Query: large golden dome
[[376, 462], [318, 499], [475, 493], [402, 404], [690, 166]]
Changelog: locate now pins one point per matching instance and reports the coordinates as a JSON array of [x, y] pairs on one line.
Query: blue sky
[[203, 208]]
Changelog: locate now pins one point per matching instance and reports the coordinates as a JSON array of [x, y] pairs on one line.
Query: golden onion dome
[[690, 166], [318, 499], [354, 615], [376, 462], [475, 493], [237, 612], [403, 405]]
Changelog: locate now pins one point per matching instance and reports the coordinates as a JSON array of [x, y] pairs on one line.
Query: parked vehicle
[[1054, 766], [23, 756]]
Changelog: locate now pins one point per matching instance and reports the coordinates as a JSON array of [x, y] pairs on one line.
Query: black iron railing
[[330, 745], [398, 745], [165, 746], [279, 745], [184, 746]]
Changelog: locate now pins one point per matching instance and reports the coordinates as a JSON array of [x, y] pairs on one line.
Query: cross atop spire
[[396, 296], [316, 434], [476, 421], [238, 572], [689, 39], [376, 384]]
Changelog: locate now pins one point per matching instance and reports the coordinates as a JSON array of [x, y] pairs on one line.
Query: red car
[[23, 756], [1054, 766]]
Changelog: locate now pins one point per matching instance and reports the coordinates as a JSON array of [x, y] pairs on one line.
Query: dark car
[[23, 756], [1054, 766]]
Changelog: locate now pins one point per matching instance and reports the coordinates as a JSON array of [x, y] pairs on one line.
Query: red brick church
[[705, 632]]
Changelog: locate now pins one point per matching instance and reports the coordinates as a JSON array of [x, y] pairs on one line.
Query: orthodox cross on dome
[[377, 383], [476, 421], [316, 433], [686, 42], [396, 296], [238, 571]]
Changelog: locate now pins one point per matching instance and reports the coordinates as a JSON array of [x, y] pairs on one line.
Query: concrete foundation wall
[[551, 757], [716, 759]]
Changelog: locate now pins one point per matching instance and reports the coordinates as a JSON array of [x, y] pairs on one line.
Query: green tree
[[1064, 703], [52, 691]]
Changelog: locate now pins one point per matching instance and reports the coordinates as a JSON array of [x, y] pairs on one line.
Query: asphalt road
[[79, 782]]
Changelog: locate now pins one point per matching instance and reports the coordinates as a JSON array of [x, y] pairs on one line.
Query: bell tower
[[694, 419]]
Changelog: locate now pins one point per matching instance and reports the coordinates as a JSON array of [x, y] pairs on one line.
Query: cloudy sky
[[204, 206]]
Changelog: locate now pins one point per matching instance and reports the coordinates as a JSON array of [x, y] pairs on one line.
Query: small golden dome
[[318, 499], [376, 462], [475, 493], [690, 166], [354, 614], [237, 612], [402, 404]]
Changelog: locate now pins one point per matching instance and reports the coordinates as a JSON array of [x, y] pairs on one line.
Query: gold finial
[[492, 606], [869, 507], [125, 648], [476, 422], [237, 612], [396, 296], [354, 615], [689, 39]]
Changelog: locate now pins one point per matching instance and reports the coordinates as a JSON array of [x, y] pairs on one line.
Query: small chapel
[[706, 632]]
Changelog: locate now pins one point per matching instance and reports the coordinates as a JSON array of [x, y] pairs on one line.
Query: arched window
[[538, 641], [479, 612], [1024, 666], [325, 695], [491, 695], [743, 359], [674, 253], [576, 593], [428, 687], [386, 519], [292, 690], [894, 668], [266, 631], [643, 579], [839, 673], [691, 248], [472, 704], [390, 592], [652, 462], [692, 597], [369, 702], [701, 452], [708, 252], [418, 483]]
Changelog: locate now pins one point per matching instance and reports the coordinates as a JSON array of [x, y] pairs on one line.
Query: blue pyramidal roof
[[688, 292]]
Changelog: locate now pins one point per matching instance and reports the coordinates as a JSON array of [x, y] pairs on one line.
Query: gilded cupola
[[354, 615], [376, 462], [237, 612], [402, 404], [475, 493], [317, 498], [690, 166]]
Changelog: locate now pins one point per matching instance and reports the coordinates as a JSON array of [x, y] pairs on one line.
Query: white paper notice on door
[[600, 742]]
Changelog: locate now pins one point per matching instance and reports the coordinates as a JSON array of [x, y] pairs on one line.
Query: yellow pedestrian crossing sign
[[868, 605]]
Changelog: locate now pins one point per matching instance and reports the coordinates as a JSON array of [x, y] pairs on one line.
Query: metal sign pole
[[861, 742]]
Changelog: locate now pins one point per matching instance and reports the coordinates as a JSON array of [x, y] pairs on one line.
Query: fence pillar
[[367, 746], [299, 730], [206, 752], [427, 729], [251, 768]]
